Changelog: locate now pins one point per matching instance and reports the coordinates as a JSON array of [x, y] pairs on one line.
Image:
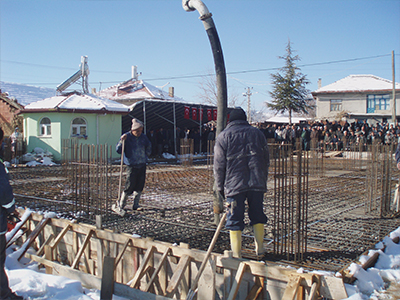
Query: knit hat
[[136, 124], [237, 114]]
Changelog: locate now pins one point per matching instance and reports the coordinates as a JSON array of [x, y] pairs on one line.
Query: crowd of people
[[324, 135], [162, 140], [333, 135]]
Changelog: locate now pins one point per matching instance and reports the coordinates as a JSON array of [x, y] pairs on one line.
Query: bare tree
[[208, 92]]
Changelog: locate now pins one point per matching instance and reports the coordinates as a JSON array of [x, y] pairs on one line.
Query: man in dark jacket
[[136, 152], [241, 161], [7, 206]]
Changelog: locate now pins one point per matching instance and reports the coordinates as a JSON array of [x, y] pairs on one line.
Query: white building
[[358, 97]]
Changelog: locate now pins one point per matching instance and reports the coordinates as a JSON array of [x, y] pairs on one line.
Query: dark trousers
[[236, 208], [4, 287], [135, 180]]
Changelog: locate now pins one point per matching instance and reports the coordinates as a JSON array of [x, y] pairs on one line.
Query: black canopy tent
[[156, 114]]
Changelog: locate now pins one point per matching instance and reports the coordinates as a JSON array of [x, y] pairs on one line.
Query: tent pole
[[176, 154]]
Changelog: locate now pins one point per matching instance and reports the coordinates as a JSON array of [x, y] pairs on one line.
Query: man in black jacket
[[241, 161], [7, 206]]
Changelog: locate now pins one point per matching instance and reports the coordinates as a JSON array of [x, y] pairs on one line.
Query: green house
[[86, 118]]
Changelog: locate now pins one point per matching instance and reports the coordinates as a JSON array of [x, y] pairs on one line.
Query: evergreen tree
[[289, 91]]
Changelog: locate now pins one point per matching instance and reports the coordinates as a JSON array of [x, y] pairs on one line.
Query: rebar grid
[[178, 207]]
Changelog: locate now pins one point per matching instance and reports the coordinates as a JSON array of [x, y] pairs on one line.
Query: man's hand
[[218, 204], [398, 165], [123, 137]]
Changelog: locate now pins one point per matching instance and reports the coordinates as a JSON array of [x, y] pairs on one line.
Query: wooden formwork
[[140, 268]]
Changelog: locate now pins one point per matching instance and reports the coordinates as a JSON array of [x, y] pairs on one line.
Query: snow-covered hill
[[26, 94]]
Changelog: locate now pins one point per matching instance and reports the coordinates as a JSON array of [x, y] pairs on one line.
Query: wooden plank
[[176, 278], [100, 254], [31, 238], [135, 282], [80, 252], [314, 288], [238, 278], [185, 281], [18, 226], [227, 274], [158, 269], [60, 236], [94, 282], [48, 254], [291, 288], [46, 242], [119, 257], [107, 280], [206, 285], [256, 289]]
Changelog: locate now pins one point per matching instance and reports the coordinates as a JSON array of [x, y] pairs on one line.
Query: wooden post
[[107, 280]]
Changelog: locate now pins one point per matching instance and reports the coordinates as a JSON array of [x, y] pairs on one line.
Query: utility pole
[[393, 92], [248, 94]]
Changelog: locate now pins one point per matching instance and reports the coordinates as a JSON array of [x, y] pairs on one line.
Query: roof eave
[[353, 91]]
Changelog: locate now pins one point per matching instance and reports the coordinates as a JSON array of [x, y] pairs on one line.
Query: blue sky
[[41, 42]]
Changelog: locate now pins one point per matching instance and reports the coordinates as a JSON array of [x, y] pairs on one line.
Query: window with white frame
[[78, 127], [45, 127], [378, 102], [336, 105]]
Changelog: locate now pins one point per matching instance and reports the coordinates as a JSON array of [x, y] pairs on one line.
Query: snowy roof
[[77, 102], [358, 83], [136, 90], [284, 119]]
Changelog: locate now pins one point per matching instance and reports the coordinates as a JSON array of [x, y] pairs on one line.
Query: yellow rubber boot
[[259, 238], [236, 242]]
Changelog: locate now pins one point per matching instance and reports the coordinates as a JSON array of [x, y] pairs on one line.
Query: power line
[[206, 75]]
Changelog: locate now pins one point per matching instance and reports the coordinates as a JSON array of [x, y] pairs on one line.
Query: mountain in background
[[26, 94]]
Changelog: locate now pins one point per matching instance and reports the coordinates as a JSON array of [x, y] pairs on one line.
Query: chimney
[[319, 83], [134, 73], [171, 91]]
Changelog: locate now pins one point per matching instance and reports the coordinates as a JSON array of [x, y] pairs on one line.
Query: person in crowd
[[137, 149], [397, 156], [161, 141], [241, 162], [153, 140], [7, 207]]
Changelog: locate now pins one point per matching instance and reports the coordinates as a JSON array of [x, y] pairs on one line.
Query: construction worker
[[7, 207], [137, 149], [241, 161]]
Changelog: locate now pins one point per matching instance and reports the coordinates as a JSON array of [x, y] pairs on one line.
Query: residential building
[[85, 118], [358, 97]]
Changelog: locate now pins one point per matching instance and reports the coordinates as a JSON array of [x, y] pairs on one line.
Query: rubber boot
[[122, 200], [136, 200], [259, 238], [236, 242]]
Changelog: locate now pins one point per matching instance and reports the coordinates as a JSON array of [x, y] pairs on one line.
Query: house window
[[336, 105], [378, 102], [78, 127], [45, 127]]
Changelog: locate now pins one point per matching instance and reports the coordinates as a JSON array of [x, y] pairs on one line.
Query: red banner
[[194, 113], [187, 112], [209, 115], [215, 115]]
